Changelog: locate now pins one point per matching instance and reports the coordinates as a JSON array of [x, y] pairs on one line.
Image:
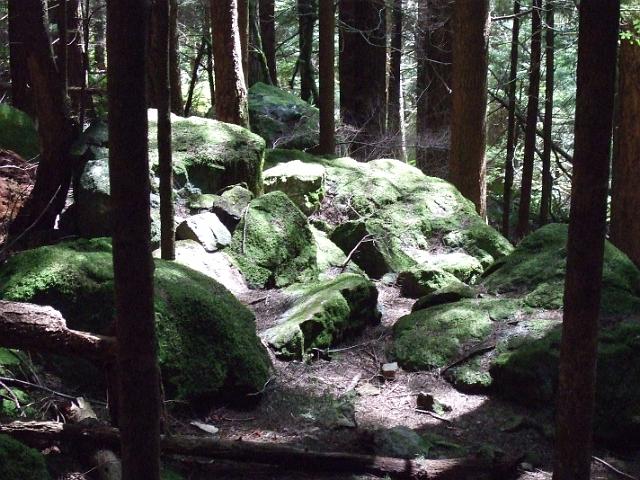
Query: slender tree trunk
[[512, 131], [258, 70], [99, 26], [327, 22], [139, 380], [532, 121], [433, 85], [363, 69], [547, 181], [56, 130], [469, 102], [194, 76], [625, 195], [21, 94], [231, 92], [209, 51], [75, 71], [597, 44], [268, 34], [307, 16], [61, 49], [243, 27], [177, 105], [395, 123], [159, 50]]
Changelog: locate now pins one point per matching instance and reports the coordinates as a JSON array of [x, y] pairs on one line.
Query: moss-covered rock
[[400, 442], [330, 258], [323, 314], [210, 155], [420, 281], [282, 118], [19, 462], [207, 339], [18, 132], [302, 182], [536, 270], [273, 244], [447, 294], [230, 206]]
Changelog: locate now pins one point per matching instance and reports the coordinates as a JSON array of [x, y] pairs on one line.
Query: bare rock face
[[206, 229]]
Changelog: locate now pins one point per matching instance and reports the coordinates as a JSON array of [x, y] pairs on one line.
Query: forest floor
[[337, 400]]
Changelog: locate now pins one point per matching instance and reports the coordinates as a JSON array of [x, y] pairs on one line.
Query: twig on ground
[[11, 394], [264, 388], [367, 238], [614, 469], [434, 415], [24, 383]]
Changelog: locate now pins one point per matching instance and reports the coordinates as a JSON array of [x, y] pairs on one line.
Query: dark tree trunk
[[139, 380], [258, 70], [159, 50], [547, 181], [243, 27], [512, 131], [21, 94], [194, 75], [598, 40], [209, 52], [433, 85], [363, 68], [99, 27], [307, 16], [56, 130], [532, 121], [395, 123], [469, 101], [231, 92], [61, 50], [177, 105], [326, 27], [268, 34], [70, 50], [625, 195]]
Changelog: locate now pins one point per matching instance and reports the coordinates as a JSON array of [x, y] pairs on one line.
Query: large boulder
[[330, 259], [273, 244], [210, 155], [283, 119], [18, 132], [206, 229], [207, 340], [302, 182], [19, 462], [324, 313]]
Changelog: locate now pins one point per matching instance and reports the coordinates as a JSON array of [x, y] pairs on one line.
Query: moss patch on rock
[[18, 132], [273, 244], [420, 281], [536, 270], [207, 339], [302, 182], [19, 462], [323, 314]]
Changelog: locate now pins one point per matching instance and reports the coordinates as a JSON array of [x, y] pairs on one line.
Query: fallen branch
[[472, 352], [367, 238], [272, 454], [614, 469], [29, 326]]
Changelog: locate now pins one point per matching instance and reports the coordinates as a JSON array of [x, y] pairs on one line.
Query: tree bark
[[363, 68], [268, 34], [258, 70], [194, 76], [597, 44], [512, 131], [547, 181], [56, 130], [532, 121], [469, 101], [231, 93], [21, 94], [99, 26], [307, 16], [433, 87], [625, 196], [177, 105], [327, 22], [291, 458], [137, 364], [243, 28], [43, 329], [395, 122]]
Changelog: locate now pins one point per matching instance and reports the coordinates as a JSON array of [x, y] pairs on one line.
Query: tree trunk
[[547, 181], [70, 50], [21, 94], [194, 76], [268, 34], [288, 458], [625, 196], [243, 28], [56, 130], [258, 70], [99, 26], [363, 68], [395, 122], [327, 23], [137, 364], [597, 44], [532, 121], [231, 93], [433, 85], [469, 101], [512, 131], [307, 16], [177, 105]]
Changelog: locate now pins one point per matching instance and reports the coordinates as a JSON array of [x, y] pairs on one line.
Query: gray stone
[[302, 182], [399, 442], [206, 229]]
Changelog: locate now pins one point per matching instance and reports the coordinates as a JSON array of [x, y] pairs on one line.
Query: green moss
[[329, 256], [18, 132], [273, 244], [302, 182], [323, 314], [421, 281], [207, 340], [19, 462], [470, 376], [210, 154], [536, 269]]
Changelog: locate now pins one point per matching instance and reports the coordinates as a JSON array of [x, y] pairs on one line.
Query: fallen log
[[289, 457], [28, 326]]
